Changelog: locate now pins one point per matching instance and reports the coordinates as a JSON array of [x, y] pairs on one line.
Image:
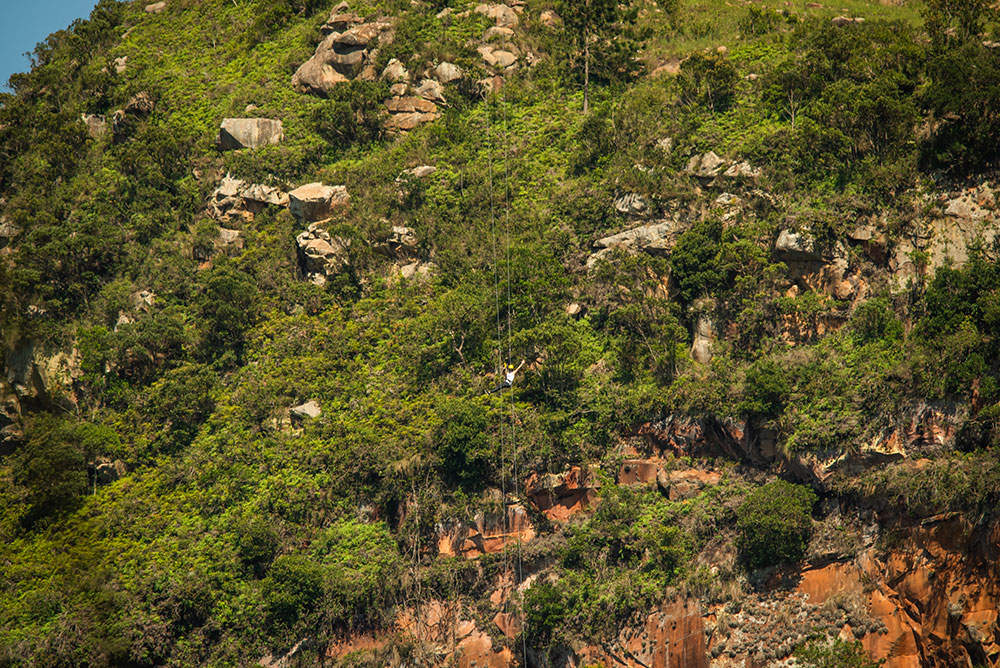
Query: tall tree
[[601, 32]]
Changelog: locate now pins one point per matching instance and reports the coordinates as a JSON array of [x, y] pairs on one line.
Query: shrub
[[51, 469], [837, 654], [544, 612], [765, 390], [294, 584], [774, 524], [694, 262]]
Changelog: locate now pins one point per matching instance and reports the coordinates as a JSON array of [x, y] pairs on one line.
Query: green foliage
[[466, 445], [293, 586], [602, 39], [694, 265], [874, 320], [774, 524], [765, 390], [51, 468], [962, 93], [708, 81], [354, 114], [836, 654], [544, 612], [759, 21]]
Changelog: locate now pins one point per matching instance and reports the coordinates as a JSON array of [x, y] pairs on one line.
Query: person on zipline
[[508, 379]]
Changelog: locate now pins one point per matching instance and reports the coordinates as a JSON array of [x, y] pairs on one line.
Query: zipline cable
[[513, 411]]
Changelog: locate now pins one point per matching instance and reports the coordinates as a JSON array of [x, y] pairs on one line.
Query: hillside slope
[[261, 263]]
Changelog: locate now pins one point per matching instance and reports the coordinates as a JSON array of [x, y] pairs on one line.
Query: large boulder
[[401, 243], [406, 113], [795, 247], [504, 16], [237, 133], [429, 89], [307, 411], [447, 72], [342, 55], [316, 201], [42, 376], [316, 77], [655, 239]]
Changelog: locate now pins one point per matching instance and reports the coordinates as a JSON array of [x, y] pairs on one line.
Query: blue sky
[[24, 24]]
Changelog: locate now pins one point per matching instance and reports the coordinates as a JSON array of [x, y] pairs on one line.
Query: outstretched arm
[[519, 366]]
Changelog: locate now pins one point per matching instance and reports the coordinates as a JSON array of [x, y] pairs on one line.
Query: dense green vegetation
[[236, 531]]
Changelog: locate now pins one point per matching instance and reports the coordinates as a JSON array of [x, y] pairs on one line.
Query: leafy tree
[[544, 612], [694, 262], [51, 468], [603, 32], [465, 444], [353, 115], [774, 524], [961, 21], [963, 93], [708, 81], [294, 584], [765, 390]]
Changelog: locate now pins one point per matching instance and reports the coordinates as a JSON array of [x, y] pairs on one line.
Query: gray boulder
[[238, 133], [795, 247], [447, 72]]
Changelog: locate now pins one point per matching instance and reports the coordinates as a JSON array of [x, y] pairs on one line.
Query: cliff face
[[264, 263]]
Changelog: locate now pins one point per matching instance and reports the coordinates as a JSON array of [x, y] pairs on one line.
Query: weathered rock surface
[[45, 377], [238, 133], [96, 125], [235, 199], [671, 637], [124, 120], [654, 238], [156, 7], [561, 496], [348, 51], [409, 112], [400, 244], [486, 535], [107, 471], [307, 411], [317, 201], [504, 16], [321, 256], [448, 72]]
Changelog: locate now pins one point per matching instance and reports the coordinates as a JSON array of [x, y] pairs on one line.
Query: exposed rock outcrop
[[486, 535], [235, 199], [655, 238], [124, 120], [409, 112], [306, 411], [322, 256], [42, 376], [561, 496], [96, 125], [237, 133], [347, 52]]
